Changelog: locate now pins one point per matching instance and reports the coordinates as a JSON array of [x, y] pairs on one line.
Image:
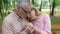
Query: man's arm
[[6, 29]]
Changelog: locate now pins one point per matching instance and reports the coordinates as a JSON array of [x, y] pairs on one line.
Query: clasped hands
[[29, 28]]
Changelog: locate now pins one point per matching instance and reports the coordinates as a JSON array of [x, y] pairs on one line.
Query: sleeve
[[47, 25], [6, 29]]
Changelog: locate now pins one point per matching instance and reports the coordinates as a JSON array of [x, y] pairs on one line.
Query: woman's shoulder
[[44, 15]]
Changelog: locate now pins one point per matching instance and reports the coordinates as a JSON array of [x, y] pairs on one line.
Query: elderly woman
[[26, 19]]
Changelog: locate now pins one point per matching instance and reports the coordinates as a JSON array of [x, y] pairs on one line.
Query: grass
[[0, 22], [55, 20]]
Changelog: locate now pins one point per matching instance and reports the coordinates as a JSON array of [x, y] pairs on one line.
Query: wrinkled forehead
[[27, 7]]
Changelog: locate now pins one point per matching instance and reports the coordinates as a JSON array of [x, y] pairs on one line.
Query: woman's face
[[31, 15]]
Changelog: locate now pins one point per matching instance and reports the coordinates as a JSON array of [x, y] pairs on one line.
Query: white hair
[[21, 3]]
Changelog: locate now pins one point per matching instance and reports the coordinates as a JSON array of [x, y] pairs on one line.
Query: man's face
[[22, 11]]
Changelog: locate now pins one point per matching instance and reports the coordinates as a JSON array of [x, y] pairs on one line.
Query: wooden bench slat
[[55, 26]]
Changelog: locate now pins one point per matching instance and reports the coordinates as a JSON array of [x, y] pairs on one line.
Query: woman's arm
[[47, 26]]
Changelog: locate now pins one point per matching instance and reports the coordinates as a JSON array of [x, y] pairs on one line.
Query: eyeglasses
[[25, 10]]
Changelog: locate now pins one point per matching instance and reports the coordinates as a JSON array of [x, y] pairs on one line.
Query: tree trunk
[[40, 6], [52, 14], [0, 5], [33, 2]]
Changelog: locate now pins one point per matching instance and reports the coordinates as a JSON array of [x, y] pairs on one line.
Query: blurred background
[[50, 7]]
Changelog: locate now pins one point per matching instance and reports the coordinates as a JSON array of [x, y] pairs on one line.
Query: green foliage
[[36, 3], [57, 2], [55, 20]]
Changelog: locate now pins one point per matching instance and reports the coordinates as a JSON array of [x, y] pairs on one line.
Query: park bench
[[55, 29], [0, 29]]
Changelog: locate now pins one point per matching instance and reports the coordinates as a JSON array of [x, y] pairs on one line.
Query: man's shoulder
[[9, 17]]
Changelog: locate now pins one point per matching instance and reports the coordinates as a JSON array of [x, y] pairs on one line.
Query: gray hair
[[21, 3]]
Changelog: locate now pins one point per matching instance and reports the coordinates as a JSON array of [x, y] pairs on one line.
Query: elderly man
[[15, 21]]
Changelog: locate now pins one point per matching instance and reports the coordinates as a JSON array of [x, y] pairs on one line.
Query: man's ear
[[15, 10]]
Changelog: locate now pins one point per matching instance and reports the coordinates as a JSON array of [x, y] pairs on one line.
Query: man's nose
[[28, 15]]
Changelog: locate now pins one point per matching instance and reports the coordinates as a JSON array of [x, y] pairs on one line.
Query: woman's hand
[[30, 25], [29, 28], [33, 28]]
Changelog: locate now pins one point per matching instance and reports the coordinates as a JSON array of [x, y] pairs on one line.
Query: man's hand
[[30, 25], [29, 28]]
